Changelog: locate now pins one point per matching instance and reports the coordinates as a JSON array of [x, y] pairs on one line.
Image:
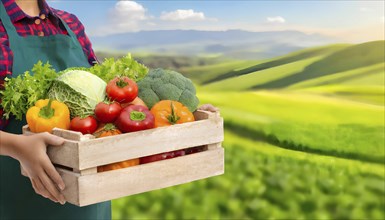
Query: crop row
[[261, 182]]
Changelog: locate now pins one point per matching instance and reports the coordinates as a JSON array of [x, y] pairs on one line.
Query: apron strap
[[68, 29], [70, 32], [7, 23]]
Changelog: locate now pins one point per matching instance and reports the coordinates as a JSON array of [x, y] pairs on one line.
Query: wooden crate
[[81, 154]]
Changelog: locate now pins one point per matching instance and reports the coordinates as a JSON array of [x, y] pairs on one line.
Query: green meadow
[[304, 139]]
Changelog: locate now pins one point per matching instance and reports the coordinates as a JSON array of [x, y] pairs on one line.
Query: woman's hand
[[208, 107], [31, 153]]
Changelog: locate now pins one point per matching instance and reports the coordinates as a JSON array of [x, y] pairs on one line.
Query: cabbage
[[80, 90]]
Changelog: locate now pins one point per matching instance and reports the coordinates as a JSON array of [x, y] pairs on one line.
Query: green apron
[[18, 200]]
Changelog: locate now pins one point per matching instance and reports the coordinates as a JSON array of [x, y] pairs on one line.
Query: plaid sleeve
[[6, 60], [77, 27], [6, 55]]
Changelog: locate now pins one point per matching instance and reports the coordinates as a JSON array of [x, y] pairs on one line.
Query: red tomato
[[122, 89], [87, 125], [162, 156], [135, 118], [107, 112]]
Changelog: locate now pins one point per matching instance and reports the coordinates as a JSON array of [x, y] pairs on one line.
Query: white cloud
[[125, 16], [129, 10], [182, 15], [130, 16], [276, 19]]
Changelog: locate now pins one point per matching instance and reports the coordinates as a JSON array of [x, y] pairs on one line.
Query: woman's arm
[[30, 151]]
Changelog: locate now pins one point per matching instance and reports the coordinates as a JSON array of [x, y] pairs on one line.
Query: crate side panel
[[118, 183], [143, 143]]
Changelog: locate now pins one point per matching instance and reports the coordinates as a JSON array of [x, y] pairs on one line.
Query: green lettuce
[[124, 66], [21, 92]]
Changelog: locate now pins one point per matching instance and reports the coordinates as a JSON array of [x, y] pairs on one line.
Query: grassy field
[[266, 182], [304, 139], [310, 123]]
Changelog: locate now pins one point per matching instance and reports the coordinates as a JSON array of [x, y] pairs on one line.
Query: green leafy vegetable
[[80, 90], [124, 66], [21, 92]]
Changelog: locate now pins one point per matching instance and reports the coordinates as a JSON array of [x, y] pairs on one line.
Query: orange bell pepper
[[168, 112]]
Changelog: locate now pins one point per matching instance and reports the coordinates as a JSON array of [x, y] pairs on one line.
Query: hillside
[[353, 57], [335, 64], [287, 59], [218, 72]]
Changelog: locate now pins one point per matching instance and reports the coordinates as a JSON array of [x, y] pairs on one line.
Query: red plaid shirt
[[48, 24]]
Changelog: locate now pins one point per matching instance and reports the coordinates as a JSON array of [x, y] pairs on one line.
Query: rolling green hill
[[212, 73], [202, 74], [290, 58], [365, 84], [347, 71], [250, 80], [335, 64], [356, 56], [368, 75]]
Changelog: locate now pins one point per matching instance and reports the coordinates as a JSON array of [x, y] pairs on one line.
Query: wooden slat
[[214, 146], [133, 180], [86, 171], [66, 154], [67, 134], [71, 181], [143, 143]]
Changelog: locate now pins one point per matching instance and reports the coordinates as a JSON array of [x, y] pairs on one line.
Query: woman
[[31, 31]]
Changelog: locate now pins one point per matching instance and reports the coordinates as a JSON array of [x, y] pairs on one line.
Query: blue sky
[[353, 21]]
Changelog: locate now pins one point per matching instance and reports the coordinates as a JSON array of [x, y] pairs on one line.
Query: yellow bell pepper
[[48, 114]]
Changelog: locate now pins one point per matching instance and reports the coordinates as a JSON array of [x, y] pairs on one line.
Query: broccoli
[[160, 84]]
